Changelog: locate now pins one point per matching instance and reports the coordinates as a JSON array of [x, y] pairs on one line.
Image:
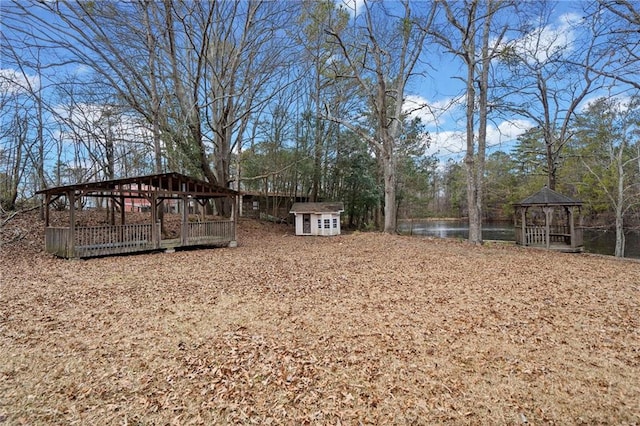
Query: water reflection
[[595, 241]]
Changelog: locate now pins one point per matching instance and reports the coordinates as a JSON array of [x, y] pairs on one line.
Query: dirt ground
[[364, 328]]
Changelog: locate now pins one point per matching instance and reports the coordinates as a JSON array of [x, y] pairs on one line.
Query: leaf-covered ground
[[363, 328]]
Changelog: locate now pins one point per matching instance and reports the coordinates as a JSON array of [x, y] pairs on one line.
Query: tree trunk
[[619, 205], [390, 179], [551, 166], [620, 240], [475, 230]]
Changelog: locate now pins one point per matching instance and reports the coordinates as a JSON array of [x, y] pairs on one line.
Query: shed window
[[327, 224], [335, 223], [319, 223]]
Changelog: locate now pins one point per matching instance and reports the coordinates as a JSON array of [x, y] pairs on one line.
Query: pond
[[595, 241]]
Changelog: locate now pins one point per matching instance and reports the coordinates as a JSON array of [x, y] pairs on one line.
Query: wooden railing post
[[71, 236], [155, 234], [526, 241], [184, 227]]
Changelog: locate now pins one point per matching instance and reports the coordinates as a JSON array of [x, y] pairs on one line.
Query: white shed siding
[[324, 218], [321, 224]]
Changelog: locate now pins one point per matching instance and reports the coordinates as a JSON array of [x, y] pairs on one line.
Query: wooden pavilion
[[548, 219], [74, 241]]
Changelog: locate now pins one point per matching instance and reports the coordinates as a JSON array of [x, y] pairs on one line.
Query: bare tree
[[247, 66], [103, 39], [607, 133], [619, 36], [551, 76], [194, 70], [474, 35], [381, 56], [24, 108], [12, 159], [317, 52]]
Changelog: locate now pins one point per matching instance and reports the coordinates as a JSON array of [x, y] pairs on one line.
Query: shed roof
[[327, 207], [167, 185], [548, 197]]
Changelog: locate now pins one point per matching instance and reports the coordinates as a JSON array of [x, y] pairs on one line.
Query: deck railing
[[89, 241], [57, 240], [116, 239], [199, 233], [536, 236]]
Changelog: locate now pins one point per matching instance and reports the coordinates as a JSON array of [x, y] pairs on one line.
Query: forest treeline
[[311, 99]]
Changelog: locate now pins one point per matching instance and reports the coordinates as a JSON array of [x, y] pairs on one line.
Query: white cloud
[[93, 121], [82, 69], [446, 139], [432, 113], [570, 19], [623, 101], [547, 41], [445, 122], [447, 143], [452, 143], [507, 131], [14, 82], [353, 7]]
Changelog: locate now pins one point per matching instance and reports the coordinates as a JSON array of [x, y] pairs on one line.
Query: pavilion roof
[[166, 185], [548, 197]]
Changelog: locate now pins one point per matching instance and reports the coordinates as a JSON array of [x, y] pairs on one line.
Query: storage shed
[[317, 218]]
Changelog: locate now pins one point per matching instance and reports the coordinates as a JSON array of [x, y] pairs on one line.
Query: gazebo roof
[[548, 197], [167, 185]]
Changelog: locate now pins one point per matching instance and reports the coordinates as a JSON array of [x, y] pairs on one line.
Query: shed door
[[306, 223]]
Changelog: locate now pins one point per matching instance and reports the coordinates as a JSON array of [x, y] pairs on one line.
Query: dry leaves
[[355, 329]]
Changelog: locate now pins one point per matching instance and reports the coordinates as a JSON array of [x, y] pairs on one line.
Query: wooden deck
[[92, 241]]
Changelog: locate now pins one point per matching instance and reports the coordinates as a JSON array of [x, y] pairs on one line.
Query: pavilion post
[[234, 223], [184, 232], [155, 238], [47, 201], [70, 252], [122, 207]]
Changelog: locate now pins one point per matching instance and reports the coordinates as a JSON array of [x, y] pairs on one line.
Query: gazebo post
[[572, 231], [525, 241], [547, 221], [515, 225], [579, 231]]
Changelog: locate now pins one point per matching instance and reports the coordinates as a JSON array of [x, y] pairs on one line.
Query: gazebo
[[548, 219], [151, 191]]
